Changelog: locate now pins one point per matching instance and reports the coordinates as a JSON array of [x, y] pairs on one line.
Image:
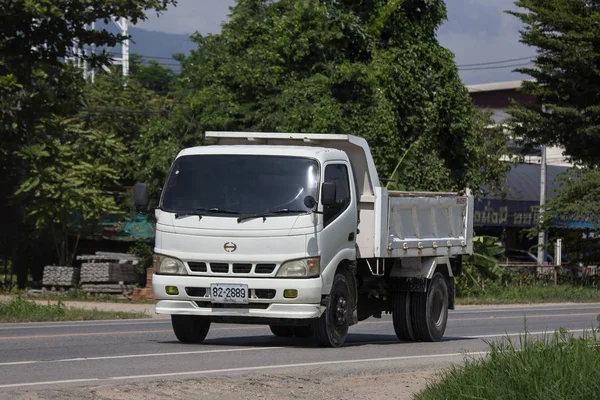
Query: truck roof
[[299, 151], [355, 147]]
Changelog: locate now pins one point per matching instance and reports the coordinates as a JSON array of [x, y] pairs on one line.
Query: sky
[[477, 31]]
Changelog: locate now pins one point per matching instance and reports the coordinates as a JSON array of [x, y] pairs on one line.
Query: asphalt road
[[36, 356]]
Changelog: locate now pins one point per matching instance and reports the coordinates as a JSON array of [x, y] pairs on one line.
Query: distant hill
[[159, 44]]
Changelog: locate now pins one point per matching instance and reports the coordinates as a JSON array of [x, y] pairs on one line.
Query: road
[[40, 356]]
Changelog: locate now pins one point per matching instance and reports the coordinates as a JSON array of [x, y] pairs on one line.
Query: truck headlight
[[304, 268], [168, 265]]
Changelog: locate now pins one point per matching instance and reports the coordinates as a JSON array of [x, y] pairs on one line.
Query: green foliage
[[498, 292], [137, 116], [558, 366], [67, 182], [21, 310], [567, 78], [567, 83], [153, 75], [145, 252], [373, 69], [481, 267], [37, 87], [577, 200]]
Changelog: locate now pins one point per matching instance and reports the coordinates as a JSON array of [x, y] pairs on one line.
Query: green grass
[[533, 294], [551, 368], [22, 310]]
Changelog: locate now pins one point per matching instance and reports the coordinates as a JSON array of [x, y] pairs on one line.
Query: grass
[[557, 367], [22, 310], [532, 294]]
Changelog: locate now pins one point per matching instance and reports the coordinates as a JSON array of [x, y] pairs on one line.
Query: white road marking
[[523, 308], [138, 356], [244, 369], [548, 332], [16, 326]]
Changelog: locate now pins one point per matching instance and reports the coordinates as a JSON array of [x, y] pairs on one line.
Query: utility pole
[[542, 234]]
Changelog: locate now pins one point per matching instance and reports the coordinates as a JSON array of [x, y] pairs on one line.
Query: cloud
[[479, 31], [204, 16]]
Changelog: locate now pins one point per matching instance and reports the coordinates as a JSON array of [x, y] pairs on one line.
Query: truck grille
[[219, 268], [242, 268], [264, 268], [208, 268], [197, 266]]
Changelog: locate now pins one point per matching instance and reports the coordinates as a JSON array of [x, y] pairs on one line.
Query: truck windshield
[[240, 185]]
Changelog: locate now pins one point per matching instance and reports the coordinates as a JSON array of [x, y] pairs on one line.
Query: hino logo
[[230, 247]]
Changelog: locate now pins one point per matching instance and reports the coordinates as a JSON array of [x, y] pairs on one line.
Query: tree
[[36, 37], [566, 77], [65, 190], [152, 75], [567, 88], [373, 69], [578, 204], [139, 118], [37, 85]]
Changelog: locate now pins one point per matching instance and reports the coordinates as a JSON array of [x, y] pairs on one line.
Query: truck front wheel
[[430, 310], [331, 328], [190, 328]]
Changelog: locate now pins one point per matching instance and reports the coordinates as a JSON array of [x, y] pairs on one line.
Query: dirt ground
[[397, 384]]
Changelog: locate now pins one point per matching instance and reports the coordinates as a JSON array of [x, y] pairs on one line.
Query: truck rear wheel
[[401, 316], [430, 310], [331, 328], [190, 328]]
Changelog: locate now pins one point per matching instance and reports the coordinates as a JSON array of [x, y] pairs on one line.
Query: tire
[[190, 328], [401, 316], [331, 328], [281, 330], [430, 310]]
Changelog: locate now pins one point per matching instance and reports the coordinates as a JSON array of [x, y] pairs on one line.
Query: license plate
[[229, 293]]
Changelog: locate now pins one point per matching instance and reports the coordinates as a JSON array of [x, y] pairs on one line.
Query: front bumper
[[305, 306]]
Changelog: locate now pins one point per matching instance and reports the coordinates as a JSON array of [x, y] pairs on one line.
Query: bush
[[145, 252]]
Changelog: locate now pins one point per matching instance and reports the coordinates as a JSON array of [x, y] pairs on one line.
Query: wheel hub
[[340, 310]]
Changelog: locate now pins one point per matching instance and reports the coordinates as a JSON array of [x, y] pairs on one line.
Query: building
[[511, 216]]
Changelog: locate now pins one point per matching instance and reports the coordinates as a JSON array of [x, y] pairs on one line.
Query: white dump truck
[[295, 231]]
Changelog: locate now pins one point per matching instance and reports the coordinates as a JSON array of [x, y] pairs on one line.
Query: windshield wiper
[[203, 211], [270, 213]]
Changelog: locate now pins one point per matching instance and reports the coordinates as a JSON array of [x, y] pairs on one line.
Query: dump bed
[[427, 224]]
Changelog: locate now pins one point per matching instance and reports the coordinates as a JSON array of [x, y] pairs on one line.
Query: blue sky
[[477, 31]]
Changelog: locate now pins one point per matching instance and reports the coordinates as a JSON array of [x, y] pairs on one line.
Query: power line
[[495, 62], [496, 67]]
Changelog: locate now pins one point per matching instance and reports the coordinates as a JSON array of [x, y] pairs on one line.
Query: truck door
[[339, 219]]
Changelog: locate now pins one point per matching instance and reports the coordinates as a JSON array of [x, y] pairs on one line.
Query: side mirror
[[328, 193], [140, 195]]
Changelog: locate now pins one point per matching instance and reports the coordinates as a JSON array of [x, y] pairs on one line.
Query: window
[[245, 184], [338, 174]]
